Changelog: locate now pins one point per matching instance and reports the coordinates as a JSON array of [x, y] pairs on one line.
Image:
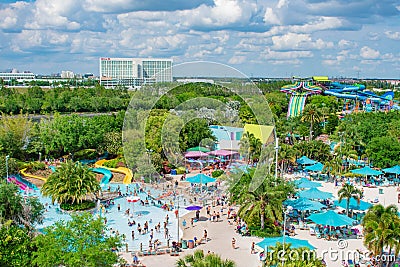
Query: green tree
[[384, 151], [15, 134], [381, 230], [265, 201], [312, 115], [21, 211], [347, 192], [16, 246], [72, 182], [199, 259], [79, 242]]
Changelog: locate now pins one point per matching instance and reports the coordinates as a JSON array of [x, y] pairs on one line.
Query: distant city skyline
[[281, 38]]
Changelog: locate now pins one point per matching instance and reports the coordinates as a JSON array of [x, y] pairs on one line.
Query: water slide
[[299, 92], [128, 173], [21, 183], [296, 104], [31, 175], [107, 175]]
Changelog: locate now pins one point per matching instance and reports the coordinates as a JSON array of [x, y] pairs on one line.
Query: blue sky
[[262, 38]]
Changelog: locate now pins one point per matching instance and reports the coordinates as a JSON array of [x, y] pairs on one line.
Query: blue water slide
[[347, 96], [107, 175]]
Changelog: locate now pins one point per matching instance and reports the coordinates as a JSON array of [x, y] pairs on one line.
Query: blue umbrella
[[295, 243], [331, 218], [366, 171], [317, 167], [394, 170], [304, 204], [305, 183], [353, 204], [200, 179], [305, 161], [315, 193]]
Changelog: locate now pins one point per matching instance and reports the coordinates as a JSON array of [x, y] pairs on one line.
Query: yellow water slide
[[31, 176], [128, 173]]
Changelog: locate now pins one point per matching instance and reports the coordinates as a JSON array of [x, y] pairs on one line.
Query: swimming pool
[[117, 220]]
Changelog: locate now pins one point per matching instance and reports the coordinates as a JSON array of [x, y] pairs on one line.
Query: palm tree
[[264, 201], [70, 183], [287, 157], [311, 114], [333, 166], [199, 259], [381, 229], [347, 192]]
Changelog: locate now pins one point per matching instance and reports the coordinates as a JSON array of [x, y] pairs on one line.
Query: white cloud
[[369, 53], [237, 60], [54, 14], [270, 17], [271, 54], [298, 42], [393, 35]]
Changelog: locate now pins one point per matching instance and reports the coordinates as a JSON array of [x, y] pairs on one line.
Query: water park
[[356, 97], [201, 202]]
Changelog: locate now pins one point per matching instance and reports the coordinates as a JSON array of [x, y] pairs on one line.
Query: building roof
[[221, 134], [262, 132]]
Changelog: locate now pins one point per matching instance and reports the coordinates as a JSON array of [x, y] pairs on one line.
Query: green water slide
[[296, 104]]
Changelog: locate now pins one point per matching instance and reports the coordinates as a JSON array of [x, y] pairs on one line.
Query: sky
[[264, 38]]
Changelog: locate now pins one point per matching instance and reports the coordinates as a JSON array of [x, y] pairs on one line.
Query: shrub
[[36, 166], [85, 154], [85, 205], [180, 170], [217, 173]]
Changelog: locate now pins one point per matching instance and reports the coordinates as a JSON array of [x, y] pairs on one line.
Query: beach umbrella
[[304, 204], [200, 179], [366, 171], [305, 183], [195, 154], [305, 161], [295, 243], [317, 167], [353, 204], [394, 170], [199, 148], [133, 199], [314, 193], [194, 208], [331, 218]]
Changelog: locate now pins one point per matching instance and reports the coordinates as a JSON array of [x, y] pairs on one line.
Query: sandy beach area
[[220, 235]]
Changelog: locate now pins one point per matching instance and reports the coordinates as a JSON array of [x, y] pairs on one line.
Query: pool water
[[118, 220]]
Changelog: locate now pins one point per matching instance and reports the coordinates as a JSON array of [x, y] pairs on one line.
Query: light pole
[[7, 157], [276, 157], [40, 156], [285, 212], [177, 199], [201, 182]]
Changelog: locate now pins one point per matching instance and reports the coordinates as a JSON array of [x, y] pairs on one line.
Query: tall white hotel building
[[133, 72]]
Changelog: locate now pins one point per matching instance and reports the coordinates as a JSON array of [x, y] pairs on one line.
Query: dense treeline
[[39, 101], [24, 139]]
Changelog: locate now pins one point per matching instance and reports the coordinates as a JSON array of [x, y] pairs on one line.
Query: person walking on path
[[253, 248], [233, 243], [205, 236]]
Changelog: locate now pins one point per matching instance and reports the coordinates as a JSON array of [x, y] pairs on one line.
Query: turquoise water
[[118, 220]]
